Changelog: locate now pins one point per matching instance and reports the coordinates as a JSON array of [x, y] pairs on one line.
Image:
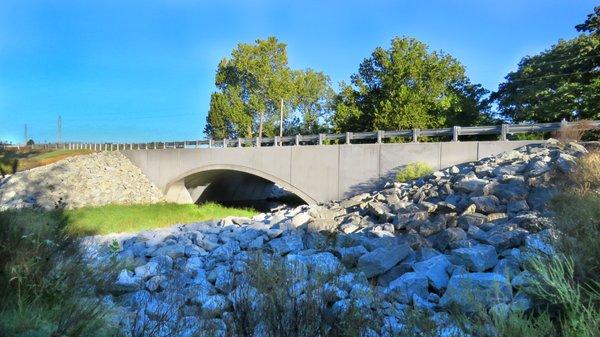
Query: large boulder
[[403, 288], [286, 244], [476, 292], [477, 258], [436, 270], [382, 259]]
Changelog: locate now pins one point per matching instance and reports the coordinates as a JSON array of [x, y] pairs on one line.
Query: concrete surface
[[314, 173]]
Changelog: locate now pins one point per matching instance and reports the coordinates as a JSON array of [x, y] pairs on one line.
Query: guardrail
[[346, 138]]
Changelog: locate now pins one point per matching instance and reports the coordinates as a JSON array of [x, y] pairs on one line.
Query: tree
[[561, 82], [30, 142], [251, 85], [311, 102], [592, 23], [404, 87]]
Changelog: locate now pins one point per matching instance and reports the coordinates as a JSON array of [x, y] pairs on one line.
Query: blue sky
[[144, 70]]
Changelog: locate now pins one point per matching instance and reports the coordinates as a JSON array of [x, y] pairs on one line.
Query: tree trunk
[[260, 125]]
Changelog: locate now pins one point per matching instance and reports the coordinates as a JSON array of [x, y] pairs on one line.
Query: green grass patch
[[135, 218], [27, 158], [413, 171]]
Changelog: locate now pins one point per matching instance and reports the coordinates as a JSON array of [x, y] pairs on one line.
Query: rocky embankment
[[457, 238], [88, 180]]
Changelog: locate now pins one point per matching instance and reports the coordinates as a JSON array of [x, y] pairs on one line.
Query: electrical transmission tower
[[26, 138], [59, 130]]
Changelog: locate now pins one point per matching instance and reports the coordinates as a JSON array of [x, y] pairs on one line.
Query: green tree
[[250, 87], [561, 82], [406, 86], [311, 103]]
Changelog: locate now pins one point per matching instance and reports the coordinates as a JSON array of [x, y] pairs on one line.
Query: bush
[[267, 300], [574, 305], [413, 171], [578, 221], [586, 174]]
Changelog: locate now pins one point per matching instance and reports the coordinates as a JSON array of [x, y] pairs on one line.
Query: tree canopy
[[561, 82], [407, 86], [251, 85]]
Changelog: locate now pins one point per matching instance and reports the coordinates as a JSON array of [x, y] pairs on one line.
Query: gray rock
[[146, 271], [407, 285], [286, 244], [382, 259], [478, 258], [436, 270], [517, 207], [349, 256], [225, 252], [539, 197], [173, 251], [538, 167], [126, 281], [506, 239], [487, 204], [475, 292], [470, 185], [213, 306]]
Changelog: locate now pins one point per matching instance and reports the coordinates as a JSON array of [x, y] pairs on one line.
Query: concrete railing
[[339, 138]]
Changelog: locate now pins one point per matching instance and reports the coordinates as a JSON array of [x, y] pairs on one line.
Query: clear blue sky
[[144, 70]]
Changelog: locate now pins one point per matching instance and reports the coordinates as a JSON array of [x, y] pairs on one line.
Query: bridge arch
[[195, 184]]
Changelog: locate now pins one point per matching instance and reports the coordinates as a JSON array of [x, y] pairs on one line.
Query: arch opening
[[236, 188]]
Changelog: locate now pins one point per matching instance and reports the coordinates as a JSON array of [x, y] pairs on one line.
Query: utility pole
[[281, 120], [25, 143], [59, 130]]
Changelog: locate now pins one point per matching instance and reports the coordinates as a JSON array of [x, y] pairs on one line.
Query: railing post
[[504, 132], [257, 141], [416, 133], [564, 124], [321, 136], [276, 141], [224, 142], [455, 133], [348, 138], [297, 140], [239, 142], [379, 136], [210, 143]]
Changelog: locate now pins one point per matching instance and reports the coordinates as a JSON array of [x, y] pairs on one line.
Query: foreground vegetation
[[42, 275], [14, 160]]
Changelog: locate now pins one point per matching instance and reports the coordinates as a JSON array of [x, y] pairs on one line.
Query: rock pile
[[454, 239], [87, 180]]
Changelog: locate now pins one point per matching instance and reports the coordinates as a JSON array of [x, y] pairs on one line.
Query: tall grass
[[45, 287]]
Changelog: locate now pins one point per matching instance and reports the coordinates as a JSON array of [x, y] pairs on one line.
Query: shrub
[[586, 173], [575, 305], [267, 300], [578, 221], [413, 171], [576, 131]]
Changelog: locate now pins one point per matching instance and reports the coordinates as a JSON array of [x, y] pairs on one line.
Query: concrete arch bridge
[[315, 173]]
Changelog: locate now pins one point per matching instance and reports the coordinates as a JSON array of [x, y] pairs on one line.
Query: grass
[[28, 158], [413, 171], [135, 218], [42, 278]]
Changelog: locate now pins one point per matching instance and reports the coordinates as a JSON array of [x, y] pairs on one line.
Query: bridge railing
[[455, 132]]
